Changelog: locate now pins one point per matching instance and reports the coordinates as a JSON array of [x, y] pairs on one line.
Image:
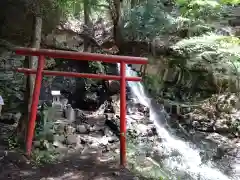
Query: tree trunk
[[36, 42], [30, 62], [115, 13], [86, 10], [116, 23]]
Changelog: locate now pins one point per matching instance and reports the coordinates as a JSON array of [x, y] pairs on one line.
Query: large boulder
[[113, 86]]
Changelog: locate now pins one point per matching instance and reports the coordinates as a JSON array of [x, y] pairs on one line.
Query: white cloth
[[1, 101]]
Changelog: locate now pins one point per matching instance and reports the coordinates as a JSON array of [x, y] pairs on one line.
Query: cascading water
[[186, 159]]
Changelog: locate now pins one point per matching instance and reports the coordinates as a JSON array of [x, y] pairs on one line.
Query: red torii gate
[[41, 53]]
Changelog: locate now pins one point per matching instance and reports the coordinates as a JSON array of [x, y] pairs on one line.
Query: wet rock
[[101, 178], [221, 150], [47, 178], [115, 102], [73, 140], [113, 125], [114, 86], [17, 116], [60, 128], [150, 133], [50, 136], [96, 128], [58, 144], [107, 132], [221, 127], [223, 107], [7, 116], [185, 110], [135, 178], [143, 109], [132, 133], [70, 114], [79, 113], [85, 140], [37, 144], [107, 149], [82, 129], [113, 139], [206, 126], [46, 144], [152, 139], [116, 173], [131, 108], [196, 124], [186, 119], [218, 114], [59, 138], [69, 129], [42, 144], [142, 129]]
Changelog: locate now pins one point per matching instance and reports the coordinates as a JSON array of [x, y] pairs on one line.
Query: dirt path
[[75, 167]]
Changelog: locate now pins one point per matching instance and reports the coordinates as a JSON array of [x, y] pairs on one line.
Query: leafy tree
[[206, 10], [38, 9], [198, 20], [146, 20]]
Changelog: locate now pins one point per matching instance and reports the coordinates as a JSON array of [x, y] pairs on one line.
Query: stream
[[182, 158]]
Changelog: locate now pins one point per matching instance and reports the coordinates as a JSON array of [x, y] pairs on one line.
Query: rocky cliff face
[[67, 36]]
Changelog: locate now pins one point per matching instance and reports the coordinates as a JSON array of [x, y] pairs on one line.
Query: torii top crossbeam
[[80, 56]]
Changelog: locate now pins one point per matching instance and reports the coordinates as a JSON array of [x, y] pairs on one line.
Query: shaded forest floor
[[15, 167], [74, 166]]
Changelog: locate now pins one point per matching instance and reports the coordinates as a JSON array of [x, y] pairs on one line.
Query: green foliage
[[153, 83], [75, 7], [215, 52], [149, 19], [230, 2], [152, 18], [146, 20], [97, 66], [41, 157], [195, 20], [44, 125], [44, 151], [136, 161], [235, 127], [200, 9], [11, 83], [13, 143]]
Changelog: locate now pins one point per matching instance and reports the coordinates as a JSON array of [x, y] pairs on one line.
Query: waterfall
[[186, 158]]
